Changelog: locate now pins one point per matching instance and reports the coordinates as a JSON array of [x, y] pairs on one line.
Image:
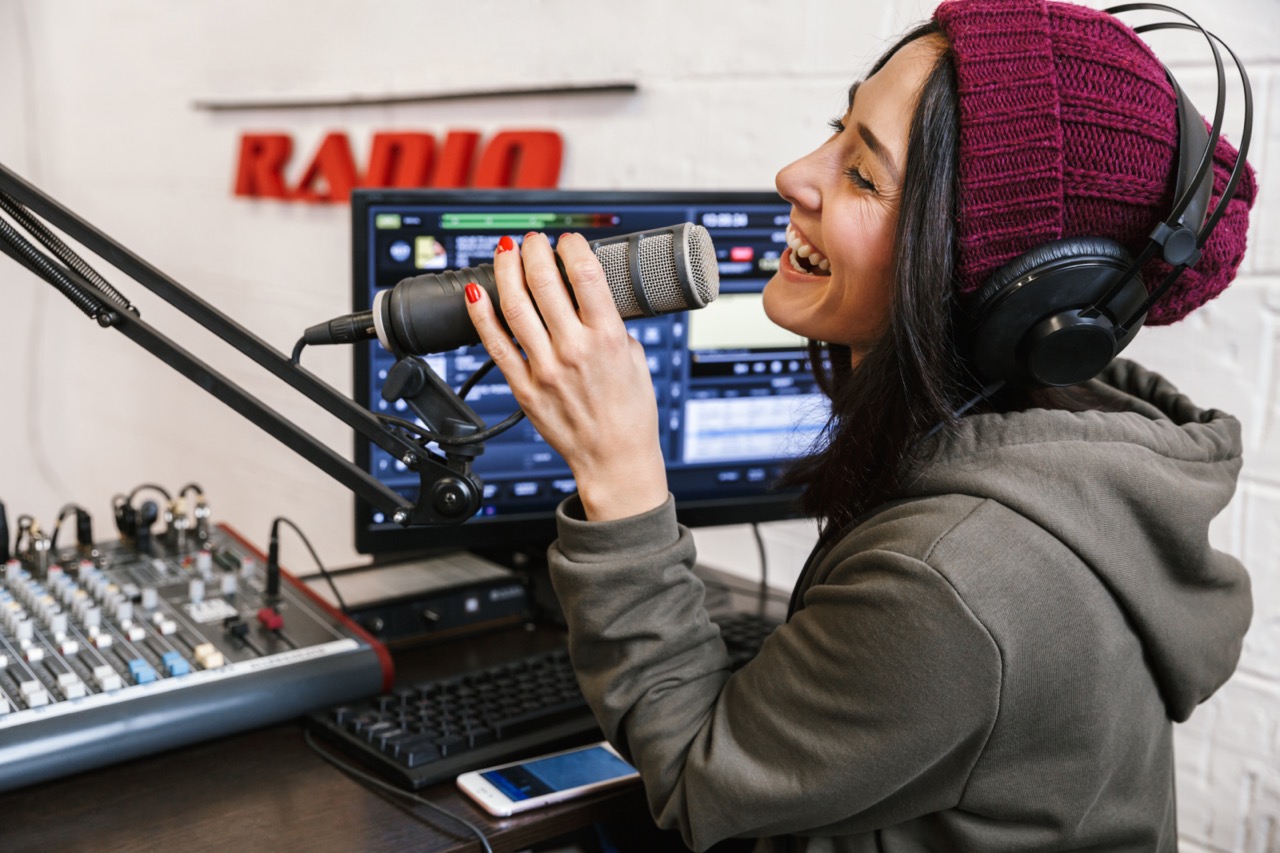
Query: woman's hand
[[583, 381]]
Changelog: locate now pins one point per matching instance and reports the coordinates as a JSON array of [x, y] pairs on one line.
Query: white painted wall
[[96, 108]]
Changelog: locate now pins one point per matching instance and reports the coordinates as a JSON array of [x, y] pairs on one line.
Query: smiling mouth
[[803, 257]]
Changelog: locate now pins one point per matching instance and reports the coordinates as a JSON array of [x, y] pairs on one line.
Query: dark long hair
[[912, 379], [916, 377]]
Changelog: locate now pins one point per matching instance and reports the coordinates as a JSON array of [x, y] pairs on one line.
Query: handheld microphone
[[659, 271]]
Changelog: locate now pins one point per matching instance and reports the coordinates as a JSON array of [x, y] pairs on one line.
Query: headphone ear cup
[[1042, 256], [1033, 324]]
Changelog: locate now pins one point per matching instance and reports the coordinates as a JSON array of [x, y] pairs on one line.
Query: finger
[[505, 354], [547, 286], [590, 287], [517, 305]]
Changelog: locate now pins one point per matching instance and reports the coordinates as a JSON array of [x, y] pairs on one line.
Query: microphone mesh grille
[[617, 271], [659, 272], [703, 268]]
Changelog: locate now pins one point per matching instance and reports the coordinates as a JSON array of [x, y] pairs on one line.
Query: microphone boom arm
[[449, 492]]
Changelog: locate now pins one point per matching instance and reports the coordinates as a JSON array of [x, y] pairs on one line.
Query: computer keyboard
[[431, 731]]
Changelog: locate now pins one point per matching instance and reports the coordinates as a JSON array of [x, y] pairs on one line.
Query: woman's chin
[[791, 306]]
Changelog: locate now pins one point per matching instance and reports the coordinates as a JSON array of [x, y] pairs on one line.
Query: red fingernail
[[531, 234], [506, 244], [473, 292]]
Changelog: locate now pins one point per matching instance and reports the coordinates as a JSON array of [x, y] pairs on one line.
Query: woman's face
[[834, 283]]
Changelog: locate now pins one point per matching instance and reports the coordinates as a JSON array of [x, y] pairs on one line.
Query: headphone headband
[[1058, 314]]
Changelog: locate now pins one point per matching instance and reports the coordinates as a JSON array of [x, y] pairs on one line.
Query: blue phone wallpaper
[[557, 773]]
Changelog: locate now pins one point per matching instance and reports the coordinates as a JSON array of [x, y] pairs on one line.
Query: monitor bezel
[[536, 530]]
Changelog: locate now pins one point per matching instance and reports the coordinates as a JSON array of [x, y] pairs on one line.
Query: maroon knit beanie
[[1068, 128]]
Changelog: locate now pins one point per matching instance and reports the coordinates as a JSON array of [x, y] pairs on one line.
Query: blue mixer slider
[[141, 671], [175, 663]]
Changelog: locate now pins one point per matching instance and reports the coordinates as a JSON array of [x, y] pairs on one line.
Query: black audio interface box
[[428, 598]]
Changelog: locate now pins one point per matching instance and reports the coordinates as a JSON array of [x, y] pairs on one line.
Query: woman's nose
[[795, 183]]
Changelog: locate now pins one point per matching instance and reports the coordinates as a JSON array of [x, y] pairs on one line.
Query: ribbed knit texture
[[1068, 128]]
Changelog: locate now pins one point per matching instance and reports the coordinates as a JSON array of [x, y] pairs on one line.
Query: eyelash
[[859, 180], [853, 173]]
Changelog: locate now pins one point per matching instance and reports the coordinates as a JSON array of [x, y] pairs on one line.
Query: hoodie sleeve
[[870, 706]]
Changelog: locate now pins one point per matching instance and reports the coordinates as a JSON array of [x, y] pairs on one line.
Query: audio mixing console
[[114, 650]]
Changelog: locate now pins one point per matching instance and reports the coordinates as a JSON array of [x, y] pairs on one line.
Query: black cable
[[5, 553], [986, 393], [67, 509], [378, 783], [296, 358], [274, 557], [474, 378], [161, 489], [474, 438], [190, 487], [763, 594]]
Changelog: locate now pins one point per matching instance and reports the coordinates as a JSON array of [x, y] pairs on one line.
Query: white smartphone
[[521, 785]]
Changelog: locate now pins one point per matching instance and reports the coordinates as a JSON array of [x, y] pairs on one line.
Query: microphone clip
[[450, 491]]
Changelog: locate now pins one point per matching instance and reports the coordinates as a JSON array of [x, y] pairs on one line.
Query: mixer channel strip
[[125, 654]]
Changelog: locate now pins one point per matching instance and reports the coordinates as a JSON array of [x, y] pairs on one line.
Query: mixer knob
[[204, 564], [195, 590], [149, 598]]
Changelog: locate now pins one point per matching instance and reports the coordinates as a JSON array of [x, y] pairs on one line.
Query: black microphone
[[659, 271]]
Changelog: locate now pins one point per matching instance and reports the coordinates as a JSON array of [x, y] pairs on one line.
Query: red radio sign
[[518, 159]]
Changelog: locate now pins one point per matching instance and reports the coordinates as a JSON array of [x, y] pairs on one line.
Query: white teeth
[[804, 250]]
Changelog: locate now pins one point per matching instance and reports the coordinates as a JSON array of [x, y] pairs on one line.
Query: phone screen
[[557, 773]]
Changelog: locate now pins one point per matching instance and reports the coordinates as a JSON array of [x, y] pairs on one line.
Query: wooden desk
[[267, 790]]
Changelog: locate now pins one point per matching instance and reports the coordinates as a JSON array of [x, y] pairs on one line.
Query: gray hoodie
[[991, 662]]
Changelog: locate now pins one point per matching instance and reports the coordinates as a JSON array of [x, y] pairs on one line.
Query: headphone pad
[[1033, 324], [1044, 255]]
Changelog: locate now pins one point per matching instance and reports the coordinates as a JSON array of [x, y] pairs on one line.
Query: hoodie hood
[[1133, 494]]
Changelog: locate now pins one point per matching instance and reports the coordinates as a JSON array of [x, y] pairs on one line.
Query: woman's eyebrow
[[877, 148], [872, 141]]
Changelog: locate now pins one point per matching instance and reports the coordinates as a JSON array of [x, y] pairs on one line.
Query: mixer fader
[[118, 649]]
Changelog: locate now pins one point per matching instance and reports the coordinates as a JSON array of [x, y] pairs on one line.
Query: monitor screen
[[736, 397]]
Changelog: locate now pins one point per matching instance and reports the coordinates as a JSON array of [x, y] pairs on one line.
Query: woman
[[1003, 616]]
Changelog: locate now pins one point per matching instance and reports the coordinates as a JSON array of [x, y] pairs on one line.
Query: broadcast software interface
[[736, 397]]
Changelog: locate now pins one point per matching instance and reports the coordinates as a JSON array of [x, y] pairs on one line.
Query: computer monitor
[[736, 397]]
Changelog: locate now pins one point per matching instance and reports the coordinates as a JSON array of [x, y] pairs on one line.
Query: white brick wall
[[96, 109]]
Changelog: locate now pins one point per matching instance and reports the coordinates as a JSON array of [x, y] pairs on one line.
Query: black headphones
[[1060, 313]]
